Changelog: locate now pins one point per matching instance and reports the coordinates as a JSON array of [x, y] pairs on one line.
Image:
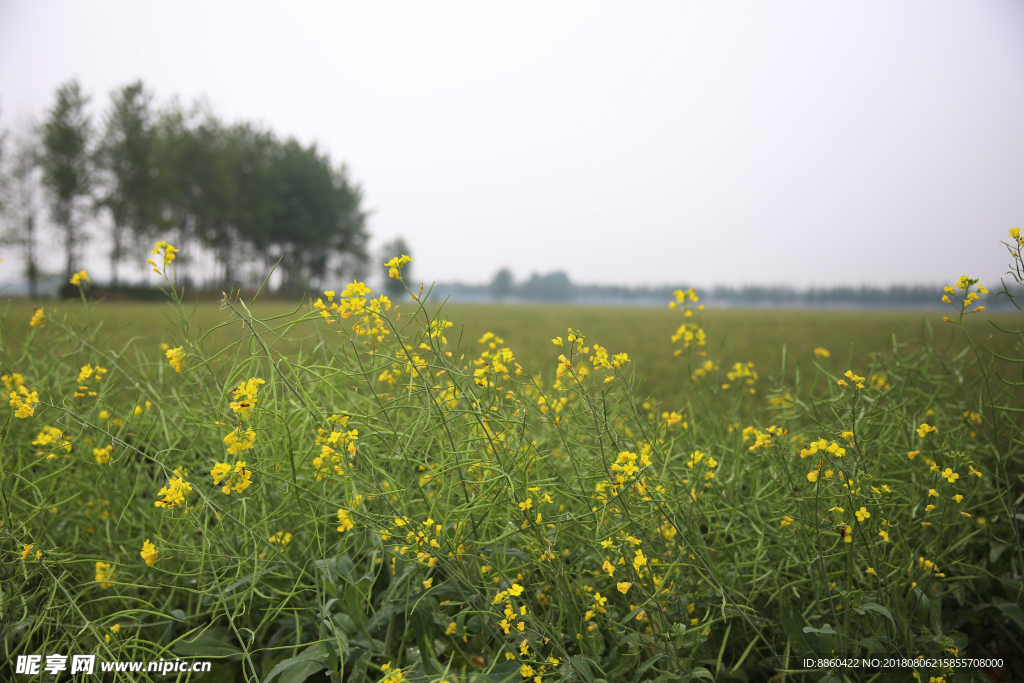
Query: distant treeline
[[236, 191], [558, 288]]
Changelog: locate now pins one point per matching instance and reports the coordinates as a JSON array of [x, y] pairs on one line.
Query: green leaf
[[647, 665], [296, 669], [792, 624], [872, 607], [1010, 609], [826, 629], [698, 672]]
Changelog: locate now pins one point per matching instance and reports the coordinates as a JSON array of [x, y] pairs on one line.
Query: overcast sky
[[809, 143]]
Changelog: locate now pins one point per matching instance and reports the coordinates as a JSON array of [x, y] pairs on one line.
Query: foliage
[[126, 156], [400, 503], [68, 172], [236, 190]]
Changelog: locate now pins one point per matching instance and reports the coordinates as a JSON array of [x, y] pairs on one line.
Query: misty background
[[773, 147]]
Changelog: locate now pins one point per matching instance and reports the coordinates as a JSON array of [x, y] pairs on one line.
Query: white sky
[[809, 143]]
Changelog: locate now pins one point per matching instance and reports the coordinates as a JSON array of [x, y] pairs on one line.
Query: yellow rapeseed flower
[[149, 553], [623, 586], [177, 358], [37, 318], [104, 574], [79, 277], [396, 264], [24, 401], [925, 429], [345, 522], [237, 477]]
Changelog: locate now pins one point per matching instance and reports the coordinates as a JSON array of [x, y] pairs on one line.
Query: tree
[[551, 287], [178, 161], [389, 250], [502, 284], [19, 198], [317, 216], [67, 167], [127, 157]]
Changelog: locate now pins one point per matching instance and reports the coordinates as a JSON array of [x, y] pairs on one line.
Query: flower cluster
[[176, 357], [742, 371], [238, 441], [331, 443], [84, 375], [688, 332], [966, 298], [166, 253], [51, 438], [245, 398], [149, 553], [282, 538], [857, 380], [104, 574], [824, 446], [173, 495], [494, 362], [237, 477], [396, 264], [79, 278]]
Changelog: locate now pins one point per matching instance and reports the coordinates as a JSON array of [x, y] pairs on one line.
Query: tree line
[[236, 191], [556, 287]]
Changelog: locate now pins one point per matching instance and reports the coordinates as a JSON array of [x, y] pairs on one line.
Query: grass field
[[734, 335], [356, 494]]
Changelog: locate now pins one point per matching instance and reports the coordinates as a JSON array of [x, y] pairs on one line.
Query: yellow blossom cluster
[[79, 278], [236, 478], [37, 318], [423, 540], [742, 371], [12, 381], [282, 538], [149, 553], [238, 441], [245, 398], [345, 522], [857, 380], [494, 362], [602, 361], [26, 550], [824, 446], [166, 253], [51, 438], [396, 264], [967, 298], [765, 439], [331, 443], [84, 375], [104, 574], [173, 495], [24, 402], [102, 455], [176, 358]]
